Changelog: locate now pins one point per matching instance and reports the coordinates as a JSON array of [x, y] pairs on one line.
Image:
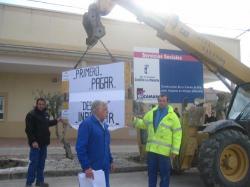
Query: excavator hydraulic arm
[[172, 29]]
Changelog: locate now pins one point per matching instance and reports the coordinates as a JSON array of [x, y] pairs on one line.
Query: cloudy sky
[[223, 17]]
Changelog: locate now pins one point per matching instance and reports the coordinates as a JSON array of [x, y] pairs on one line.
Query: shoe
[[28, 185], [44, 184]]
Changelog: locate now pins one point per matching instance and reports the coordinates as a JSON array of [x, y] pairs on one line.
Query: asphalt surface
[[132, 179]]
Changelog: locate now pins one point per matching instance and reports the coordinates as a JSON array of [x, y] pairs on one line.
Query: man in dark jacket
[[93, 142], [37, 130]]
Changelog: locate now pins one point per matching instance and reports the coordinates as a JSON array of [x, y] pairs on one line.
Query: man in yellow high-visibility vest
[[164, 140]]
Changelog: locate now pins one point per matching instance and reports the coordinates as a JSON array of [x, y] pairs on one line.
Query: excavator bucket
[[93, 26]]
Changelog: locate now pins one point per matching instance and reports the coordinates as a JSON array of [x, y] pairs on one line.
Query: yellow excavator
[[220, 150]]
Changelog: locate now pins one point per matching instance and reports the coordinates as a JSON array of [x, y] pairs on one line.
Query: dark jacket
[[93, 145], [37, 127]]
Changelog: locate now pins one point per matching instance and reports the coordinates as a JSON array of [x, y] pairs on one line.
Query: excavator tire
[[224, 159]]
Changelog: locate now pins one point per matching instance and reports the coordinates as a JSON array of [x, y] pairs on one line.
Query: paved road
[[136, 179]]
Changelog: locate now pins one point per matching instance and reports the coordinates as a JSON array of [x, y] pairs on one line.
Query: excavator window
[[240, 108], [245, 113]]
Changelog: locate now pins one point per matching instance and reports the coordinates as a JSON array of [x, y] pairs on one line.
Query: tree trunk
[[62, 139]]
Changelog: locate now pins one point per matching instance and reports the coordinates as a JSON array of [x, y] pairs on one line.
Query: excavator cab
[[239, 109]]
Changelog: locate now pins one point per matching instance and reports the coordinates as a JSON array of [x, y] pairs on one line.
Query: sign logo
[[140, 93], [146, 67]]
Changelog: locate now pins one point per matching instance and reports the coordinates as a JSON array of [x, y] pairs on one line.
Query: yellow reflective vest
[[166, 139]]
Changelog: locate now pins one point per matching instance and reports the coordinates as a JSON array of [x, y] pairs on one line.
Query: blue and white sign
[[174, 73]]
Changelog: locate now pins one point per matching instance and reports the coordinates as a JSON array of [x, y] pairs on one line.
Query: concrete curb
[[60, 173]]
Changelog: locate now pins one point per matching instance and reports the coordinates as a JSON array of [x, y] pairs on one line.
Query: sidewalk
[[58, 165], [22, 142], [11, 147]]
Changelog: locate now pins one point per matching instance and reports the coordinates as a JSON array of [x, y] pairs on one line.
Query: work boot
[[42, 184]]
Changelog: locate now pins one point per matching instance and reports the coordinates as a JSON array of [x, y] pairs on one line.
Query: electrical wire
[[244, 32], [55, 4], [81, 8]]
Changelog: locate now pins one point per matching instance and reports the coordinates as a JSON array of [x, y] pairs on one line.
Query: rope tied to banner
[[88, 48]]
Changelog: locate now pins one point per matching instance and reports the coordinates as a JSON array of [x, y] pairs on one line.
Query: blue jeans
[[158, 162], [36, 166]]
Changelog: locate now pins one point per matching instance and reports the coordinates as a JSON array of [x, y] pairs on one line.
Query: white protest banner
[[84, 85]]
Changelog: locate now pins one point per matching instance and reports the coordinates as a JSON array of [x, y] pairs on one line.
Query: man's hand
[[89, 173], [134, 121], [128, 126], [112, 167], [35, 145], [173, 156], [139, 116]]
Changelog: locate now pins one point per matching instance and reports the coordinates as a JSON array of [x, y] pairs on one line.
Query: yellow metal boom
[[172, 29]]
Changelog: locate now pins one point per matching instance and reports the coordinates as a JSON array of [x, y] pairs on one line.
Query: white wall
[[33, 27]]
